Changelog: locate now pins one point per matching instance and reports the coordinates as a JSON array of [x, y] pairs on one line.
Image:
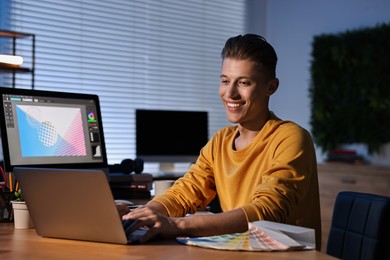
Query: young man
[[263, 168]]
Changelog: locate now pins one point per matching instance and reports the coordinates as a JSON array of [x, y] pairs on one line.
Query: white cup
[[161, 186]]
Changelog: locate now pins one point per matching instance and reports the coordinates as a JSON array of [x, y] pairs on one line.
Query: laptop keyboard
[[133, 235]]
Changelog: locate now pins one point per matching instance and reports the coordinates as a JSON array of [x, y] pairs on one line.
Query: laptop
[[73, 204]]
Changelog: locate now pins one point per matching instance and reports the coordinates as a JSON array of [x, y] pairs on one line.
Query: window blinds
[[133, 54]]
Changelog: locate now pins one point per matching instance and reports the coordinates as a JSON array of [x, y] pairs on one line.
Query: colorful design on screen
[[91, 117], [50, 131]]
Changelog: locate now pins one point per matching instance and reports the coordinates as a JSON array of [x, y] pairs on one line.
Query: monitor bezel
[[169, 159], [55, 94]]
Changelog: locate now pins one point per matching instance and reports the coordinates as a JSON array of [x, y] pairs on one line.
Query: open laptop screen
[[51, 129]]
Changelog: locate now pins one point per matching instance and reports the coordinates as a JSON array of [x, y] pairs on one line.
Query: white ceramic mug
[[161, 186]]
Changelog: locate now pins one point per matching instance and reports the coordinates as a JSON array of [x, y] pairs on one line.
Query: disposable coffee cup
[[161, 186]]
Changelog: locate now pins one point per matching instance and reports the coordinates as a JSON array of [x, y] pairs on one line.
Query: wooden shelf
[[14, 69], [11, 34]]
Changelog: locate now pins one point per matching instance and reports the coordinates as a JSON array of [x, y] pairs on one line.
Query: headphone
[[128, 166]]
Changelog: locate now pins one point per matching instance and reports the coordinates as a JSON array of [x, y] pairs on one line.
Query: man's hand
[[122, 208], [156, 223], [154, 218]]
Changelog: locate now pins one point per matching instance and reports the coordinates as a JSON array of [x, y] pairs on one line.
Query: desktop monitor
[[51, 129], [168, 137]]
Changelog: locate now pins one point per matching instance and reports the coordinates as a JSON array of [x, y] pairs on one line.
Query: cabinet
[[336, 177], [15, 47]]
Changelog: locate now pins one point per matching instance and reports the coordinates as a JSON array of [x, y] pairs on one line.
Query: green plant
[[350, 88], [18, 195]]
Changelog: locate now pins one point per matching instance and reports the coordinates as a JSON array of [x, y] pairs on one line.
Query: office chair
[[360, 227]]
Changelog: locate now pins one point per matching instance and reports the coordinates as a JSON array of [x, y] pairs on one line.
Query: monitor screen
[[51, 129], [166, 136]]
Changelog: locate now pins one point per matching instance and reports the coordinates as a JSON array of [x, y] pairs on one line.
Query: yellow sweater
[[274, 178]]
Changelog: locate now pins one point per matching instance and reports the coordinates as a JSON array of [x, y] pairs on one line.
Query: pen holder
[[6, 213]]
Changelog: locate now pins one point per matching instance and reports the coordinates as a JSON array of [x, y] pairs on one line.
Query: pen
[[11, 184]]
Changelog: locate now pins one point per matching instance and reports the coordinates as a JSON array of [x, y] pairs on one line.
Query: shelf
[[15, 69], [12, 34]]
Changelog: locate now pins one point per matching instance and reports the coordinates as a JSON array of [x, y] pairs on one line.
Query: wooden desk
[[26, 244]]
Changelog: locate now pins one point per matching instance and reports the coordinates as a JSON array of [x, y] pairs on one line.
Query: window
[[133, 54]]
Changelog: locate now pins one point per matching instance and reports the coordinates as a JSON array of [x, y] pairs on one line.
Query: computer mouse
[[124, 202]]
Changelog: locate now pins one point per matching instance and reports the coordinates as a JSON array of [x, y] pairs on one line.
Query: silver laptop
[[73, 204]]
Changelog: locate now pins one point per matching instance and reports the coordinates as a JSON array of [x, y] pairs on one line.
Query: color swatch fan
[[261, 236]]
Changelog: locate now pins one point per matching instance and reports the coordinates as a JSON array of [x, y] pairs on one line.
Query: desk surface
[[26, 244]]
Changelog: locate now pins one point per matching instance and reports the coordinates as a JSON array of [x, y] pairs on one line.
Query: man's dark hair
[[254, 48]]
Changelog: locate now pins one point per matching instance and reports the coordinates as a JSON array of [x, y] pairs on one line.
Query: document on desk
[[261, 236]]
